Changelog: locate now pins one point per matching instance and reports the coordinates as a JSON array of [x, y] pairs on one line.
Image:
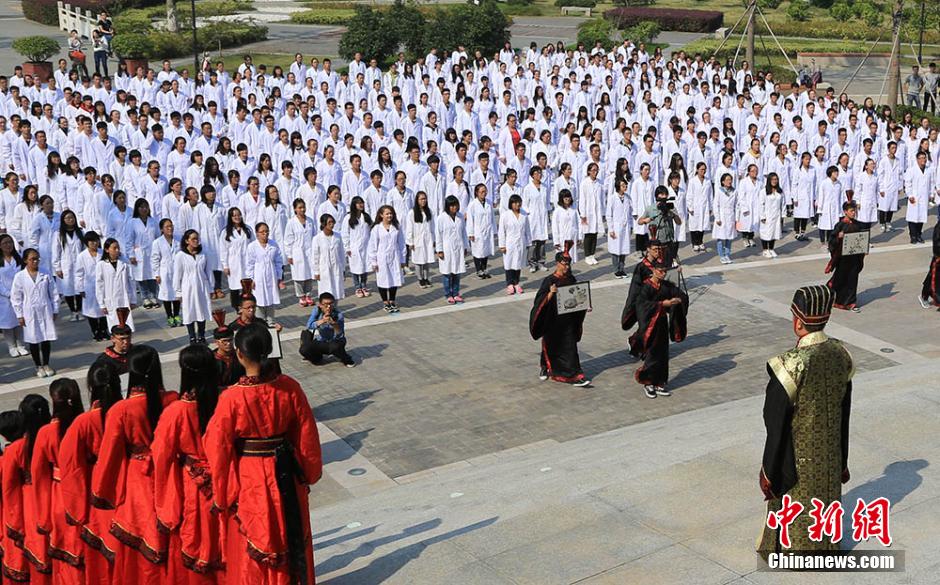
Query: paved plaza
[[448, 461]]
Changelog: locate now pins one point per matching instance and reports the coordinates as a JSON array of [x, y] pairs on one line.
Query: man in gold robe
[[806, 414]]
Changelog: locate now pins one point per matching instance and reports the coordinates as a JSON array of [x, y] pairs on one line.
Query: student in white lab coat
[[119, 220], [43, 231], [35, 300], [536, 205], [773, 207], [419, 236], [723, 229], [619, 223], [829, 205], [65, 250], [162, 251], [590, 209], [920, 189], [449, 237], [387, 254], [264, 265], [114, 286], [328, 259], [203, 214], [356, 229], [86, 271], [804, 193], [10, 264], [481, 228], [141, 233], [514, 238], [699, 201], [233, 240], [565, 222], [749, 195], [192, 281], [298, 239], [23, 214], [275, 213], [866, 194], [642, 195]]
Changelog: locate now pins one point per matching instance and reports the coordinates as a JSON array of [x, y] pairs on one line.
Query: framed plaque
[[855, 243], [276, 353], [574, 297]]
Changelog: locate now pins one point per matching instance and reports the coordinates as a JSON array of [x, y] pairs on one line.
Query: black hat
[[813, 304], [222, 331], [122, 328], [849, 205]]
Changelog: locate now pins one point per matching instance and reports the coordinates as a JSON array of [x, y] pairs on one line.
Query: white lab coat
[[140, 244], [420, 236], [356, 244], [192, 281], [86, 271], [699, 201], [449, 237], [41, 234], [37, 303], [514, 235], [641, 197], [386, 254], [591, 207], [748, 204], [772, 208], [890, 183], [725, 205], [481, 226], [565, 224], [619, 222], [7, 317], [265, 266], [829, 205], [64, 259], [804, 192], [114, 288], [232, 255], [535, 204], [866, 195], [298, 240], [161, 264], [328, 260], [920, 186]]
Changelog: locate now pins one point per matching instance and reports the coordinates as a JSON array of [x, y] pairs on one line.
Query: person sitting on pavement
[[325, 333]]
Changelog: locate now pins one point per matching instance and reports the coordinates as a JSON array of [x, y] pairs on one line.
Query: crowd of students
[[165, 188]]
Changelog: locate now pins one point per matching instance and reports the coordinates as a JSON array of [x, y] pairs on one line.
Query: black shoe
[[349, 363], [202, 341], [543, 374], [650, 391], [662, 391]]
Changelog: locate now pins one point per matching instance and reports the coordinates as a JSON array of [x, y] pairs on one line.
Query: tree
[[406, 24], [172, 22], [366, 34], [481, 27]]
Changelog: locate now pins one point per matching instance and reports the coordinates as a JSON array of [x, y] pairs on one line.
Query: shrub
[[841, 11], [36, 48], [133, 45], [769, 4], [519, 2], [326, 16], [643, 32], [821, 3], [634, 2], [134, 20], [482, 27], [43, 11], [668, 18], [578, 3], [869, 13], [798, 10], [594, 30]]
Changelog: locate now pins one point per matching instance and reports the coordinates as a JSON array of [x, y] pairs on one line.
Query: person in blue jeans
[[449, 238], [325, 333]]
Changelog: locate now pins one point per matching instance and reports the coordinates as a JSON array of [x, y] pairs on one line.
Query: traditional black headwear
[[222, 331], [565, 254], [849, 205], [246, 287], [122, 313], [654, 243], [813, 304]]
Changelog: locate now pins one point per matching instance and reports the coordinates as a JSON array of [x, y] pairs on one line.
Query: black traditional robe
[[931, 290], [230, 369], [641, 272], [844, 269], [658, 326], [116, 360], [560, 334]]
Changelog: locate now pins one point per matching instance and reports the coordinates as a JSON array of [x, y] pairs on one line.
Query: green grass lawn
[[235, 58]]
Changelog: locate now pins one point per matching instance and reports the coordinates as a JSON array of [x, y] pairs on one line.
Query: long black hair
[[17, 260], [104, 386], [421, 214], [64, 231], [254, 343], [11, 425], [143, 364], [35, 409], [66, 402], [230, 225], [355, 216], [199, 375]]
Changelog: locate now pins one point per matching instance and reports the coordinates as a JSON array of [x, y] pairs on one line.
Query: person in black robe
[[229, 368], [115, 355], [247, 307], [661, 309], [560, 334], [845, 269], [642, 271], [930, 293]]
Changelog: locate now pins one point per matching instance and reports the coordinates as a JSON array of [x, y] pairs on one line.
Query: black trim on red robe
[[560, 334], [658, 326], [931, 290], [844, 269], [116, 360]]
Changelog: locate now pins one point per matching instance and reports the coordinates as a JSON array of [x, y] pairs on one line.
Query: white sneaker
[[532, 269], [79, 317], [15, 353], [40, 372], [773, 254], [765, 253], [24, 351], [49, 371], [923, 302], [729, 260], [72, 318]]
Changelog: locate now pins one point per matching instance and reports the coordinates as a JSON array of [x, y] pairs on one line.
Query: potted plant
[[37, 50], [134, 49]]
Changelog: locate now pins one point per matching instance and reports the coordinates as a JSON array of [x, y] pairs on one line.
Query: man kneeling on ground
[[325, 333]]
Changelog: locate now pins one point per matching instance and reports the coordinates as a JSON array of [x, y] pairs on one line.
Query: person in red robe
[[65, 545], [182, 482], [122, 479], [15, 567], [78, 452], [262, 442], [20, 516]]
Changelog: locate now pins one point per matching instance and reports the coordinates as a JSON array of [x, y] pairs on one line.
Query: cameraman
[[662, 219], [325, 333]]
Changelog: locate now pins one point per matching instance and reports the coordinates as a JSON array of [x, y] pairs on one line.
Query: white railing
[[84, 21]]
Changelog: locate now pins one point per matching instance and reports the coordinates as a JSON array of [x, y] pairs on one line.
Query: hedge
[[326, 16], [576, 3], [167, 45], [673, 19]]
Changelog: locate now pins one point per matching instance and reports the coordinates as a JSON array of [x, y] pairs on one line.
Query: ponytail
[[199, 375], [144, 367], [104, 386], [66, 402]]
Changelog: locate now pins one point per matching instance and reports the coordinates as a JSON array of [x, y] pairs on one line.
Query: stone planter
[[40, 69]]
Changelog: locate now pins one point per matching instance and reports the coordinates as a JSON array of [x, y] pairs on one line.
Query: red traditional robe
[[20, 515], [183, 493], [65, 545], [78, 453], [122, 480], [15, 565], [241, 463]]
